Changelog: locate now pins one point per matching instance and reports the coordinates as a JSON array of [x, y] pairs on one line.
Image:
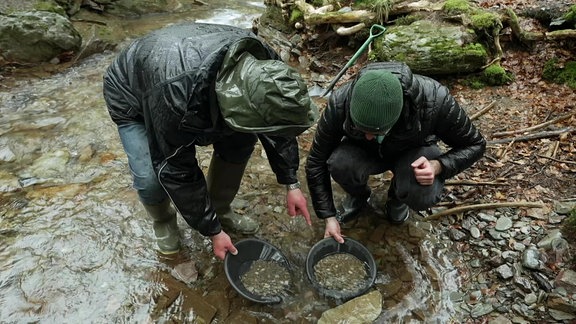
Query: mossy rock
[[432, 48]]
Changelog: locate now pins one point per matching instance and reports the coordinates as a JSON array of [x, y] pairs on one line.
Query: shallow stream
[[76, 248]]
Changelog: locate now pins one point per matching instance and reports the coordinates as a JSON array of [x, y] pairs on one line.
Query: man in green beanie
[[192, 85], [388, 119]]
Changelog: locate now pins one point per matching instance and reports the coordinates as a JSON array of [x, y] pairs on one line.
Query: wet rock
[[419, 230], [192, 301], [564, 207], [523, 310], [503, 224], [186, 272], [487, 218], [475, 232], [561, 316], [559, 250], [392, 288], [456, 234], [555, 219], [494, 234], [542, 281], [523, 283], [363, 309], [504, 271], [52, 164], [6, 155], [530, 298], [496, 261], [9, 182], [546, 242], [402, 39], [517, 246], [559, 303], [481, 310], [567, 279], [531, 259], [500, 320], [36, 36]]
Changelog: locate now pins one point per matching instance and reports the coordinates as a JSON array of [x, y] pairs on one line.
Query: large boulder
[[432, 48], [36, 37]]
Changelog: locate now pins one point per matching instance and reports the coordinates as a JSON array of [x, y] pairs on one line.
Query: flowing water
[[76, 248]]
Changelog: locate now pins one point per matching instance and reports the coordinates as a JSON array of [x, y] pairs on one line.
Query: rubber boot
[[165, 227], [352, 205], [223, 183]]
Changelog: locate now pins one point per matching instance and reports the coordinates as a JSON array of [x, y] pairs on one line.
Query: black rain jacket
[[166, 80], [430, 114]]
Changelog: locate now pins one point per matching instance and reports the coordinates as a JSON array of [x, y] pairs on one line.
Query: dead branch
[[535, 127], [347, 31], [556, 160], [461, 209], [473, 183], [313, 16], [533, 136], [553, 35], [483, 110]]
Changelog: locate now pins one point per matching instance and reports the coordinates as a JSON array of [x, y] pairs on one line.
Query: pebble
[[503, 224]]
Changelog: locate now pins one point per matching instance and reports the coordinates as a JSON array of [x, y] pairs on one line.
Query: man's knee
[[419, 197], [149, 189]]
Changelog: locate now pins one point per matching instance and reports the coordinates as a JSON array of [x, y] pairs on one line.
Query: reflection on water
[[76, 249]]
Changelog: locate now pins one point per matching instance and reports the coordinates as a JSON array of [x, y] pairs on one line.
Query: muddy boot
[[351, 207], [223, 184], [165, 227]]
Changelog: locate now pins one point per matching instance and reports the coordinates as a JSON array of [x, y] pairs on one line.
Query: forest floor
[[528, 123]]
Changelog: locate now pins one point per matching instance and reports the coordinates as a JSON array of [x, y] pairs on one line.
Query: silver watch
[[293, 186]]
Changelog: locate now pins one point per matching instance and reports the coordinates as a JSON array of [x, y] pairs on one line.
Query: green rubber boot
[[223, 184], [165, 227]]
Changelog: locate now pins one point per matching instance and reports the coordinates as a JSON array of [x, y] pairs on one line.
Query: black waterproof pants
[[352, 163]]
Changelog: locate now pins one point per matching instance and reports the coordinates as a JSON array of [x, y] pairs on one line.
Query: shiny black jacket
[[166, 80], [430, 114]]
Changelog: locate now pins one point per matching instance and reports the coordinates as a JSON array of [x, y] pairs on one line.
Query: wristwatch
[[293, 186]]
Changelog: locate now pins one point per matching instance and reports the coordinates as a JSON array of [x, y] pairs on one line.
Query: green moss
[[476, 83], [551, 70], [485, 20], [296, 15], [407, 20], [317, 3], [495, 75], [455, 7], [50, 7], [571, 14], [568, 75], [554, 72]]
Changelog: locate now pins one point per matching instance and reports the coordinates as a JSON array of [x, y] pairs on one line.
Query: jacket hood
[[263, 96]]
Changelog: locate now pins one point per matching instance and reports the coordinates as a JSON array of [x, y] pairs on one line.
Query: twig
[[473, 183], [460, 209], [507, 148], [556, 160], [483, 110], [533, 136], [535, 127]]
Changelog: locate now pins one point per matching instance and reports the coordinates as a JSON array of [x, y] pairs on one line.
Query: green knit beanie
[[376, 103]]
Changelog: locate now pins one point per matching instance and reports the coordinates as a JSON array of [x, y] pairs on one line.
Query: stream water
[[75, 246]]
